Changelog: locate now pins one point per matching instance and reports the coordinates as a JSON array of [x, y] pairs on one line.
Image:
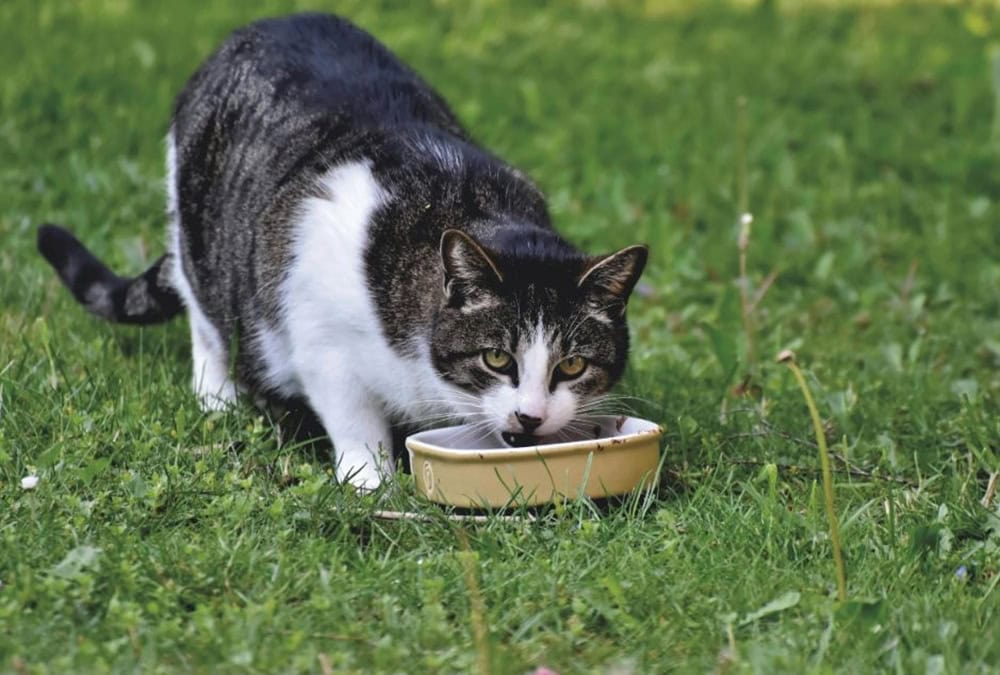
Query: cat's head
[[531, 332]]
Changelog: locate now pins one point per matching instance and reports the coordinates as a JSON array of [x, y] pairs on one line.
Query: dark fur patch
[[145, 299]]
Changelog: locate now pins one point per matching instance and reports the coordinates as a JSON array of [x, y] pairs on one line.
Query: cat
[[335, 236]]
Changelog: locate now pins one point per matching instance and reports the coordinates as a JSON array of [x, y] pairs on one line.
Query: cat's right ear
[[468, 268]]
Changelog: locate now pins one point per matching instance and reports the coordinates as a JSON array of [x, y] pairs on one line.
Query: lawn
[[864, 140]]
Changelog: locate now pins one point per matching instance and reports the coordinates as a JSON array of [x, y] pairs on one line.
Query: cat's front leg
[[355, 422], [212, 385]]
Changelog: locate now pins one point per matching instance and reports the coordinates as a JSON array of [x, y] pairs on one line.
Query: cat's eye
[[572, 366], [497, 359]]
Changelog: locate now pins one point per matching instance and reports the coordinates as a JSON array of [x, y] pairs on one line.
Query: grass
[[163, 539]]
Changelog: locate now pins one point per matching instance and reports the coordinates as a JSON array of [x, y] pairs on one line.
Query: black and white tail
[[145, 299]]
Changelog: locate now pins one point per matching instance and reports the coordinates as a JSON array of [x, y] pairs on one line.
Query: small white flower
[[29, 482], [746, 219]]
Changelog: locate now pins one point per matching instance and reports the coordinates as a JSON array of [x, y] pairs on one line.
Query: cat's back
[[309, 67]]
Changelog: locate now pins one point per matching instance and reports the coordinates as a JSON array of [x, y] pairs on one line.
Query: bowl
[[458, 466]]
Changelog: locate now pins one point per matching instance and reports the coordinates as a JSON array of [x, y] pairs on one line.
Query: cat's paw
[[214, 402], [364, 470], [363, 479]]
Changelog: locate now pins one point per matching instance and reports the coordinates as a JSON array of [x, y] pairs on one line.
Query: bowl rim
[[415, 444]]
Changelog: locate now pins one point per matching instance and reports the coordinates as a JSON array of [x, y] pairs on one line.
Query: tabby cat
[[337, 238]]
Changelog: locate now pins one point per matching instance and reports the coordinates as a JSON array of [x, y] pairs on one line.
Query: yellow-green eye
[[572, 366], [497, 359]]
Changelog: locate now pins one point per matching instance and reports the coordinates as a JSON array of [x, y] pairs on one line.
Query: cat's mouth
[[522, 440], [519, 440]]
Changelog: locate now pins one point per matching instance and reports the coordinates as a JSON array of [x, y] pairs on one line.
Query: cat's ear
[[609, 280], [468, 268]]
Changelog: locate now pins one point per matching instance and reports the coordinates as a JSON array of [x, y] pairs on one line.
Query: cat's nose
[[528, 422]]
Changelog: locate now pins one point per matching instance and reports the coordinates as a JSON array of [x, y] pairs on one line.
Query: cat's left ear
[[612, 277]]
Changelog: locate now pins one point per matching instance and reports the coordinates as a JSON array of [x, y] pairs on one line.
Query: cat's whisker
[[627, 397], [431, 422], [574, 425], [563, 435], [607, 409], [464, 398], [483, 433], [594, 406], [610, 405], [458, 418], [428, 411]]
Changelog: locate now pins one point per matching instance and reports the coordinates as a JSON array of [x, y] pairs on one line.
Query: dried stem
[[745, 305], [477, 607], [765, 286], [788, 358], [458, 517], [743, 202], [991, 490], [742, 192]]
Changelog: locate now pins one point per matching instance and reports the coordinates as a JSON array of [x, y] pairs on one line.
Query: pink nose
[[528, 422]]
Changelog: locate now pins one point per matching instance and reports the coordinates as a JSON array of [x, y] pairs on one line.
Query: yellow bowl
[[454, 465]]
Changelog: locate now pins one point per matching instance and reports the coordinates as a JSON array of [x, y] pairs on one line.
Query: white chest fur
[[328, 305], [331, 347]]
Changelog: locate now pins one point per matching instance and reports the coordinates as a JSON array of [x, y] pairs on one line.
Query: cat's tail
[[145, 299]]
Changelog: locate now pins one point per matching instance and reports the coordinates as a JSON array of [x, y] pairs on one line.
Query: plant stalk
[[788, 358]]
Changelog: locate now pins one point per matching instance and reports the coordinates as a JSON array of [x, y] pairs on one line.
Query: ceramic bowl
[[456, 466]]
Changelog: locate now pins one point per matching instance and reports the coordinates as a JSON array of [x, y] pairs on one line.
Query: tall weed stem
[[788, 358]]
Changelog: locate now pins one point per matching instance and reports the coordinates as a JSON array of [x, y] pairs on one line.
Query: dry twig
[[458, 517], [991, 490]]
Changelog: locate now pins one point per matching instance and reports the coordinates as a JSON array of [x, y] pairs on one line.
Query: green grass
[[160, 538]]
